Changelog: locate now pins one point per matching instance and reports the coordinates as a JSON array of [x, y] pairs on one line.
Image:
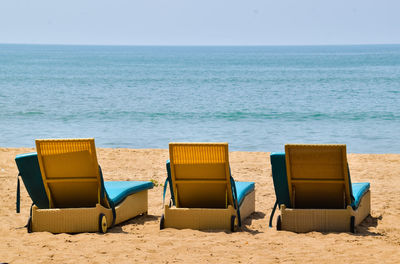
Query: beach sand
[[140, 241]]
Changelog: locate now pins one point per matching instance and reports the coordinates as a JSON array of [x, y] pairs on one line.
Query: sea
[[256, 98]]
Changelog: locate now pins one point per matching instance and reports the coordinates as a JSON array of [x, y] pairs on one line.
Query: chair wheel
[[29, 225], [352, 224], [102, 223], [233, 217], [279, 223], [162, 222]]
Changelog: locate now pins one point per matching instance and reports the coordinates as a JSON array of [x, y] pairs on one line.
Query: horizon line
[[202, 45]]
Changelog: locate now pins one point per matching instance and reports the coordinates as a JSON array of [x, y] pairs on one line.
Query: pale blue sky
[[201, 22]]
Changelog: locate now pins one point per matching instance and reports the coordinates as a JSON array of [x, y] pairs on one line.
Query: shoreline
[[33, 149]]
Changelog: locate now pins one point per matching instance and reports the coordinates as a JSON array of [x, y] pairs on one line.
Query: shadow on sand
[[138, 220], [247, 222], [363, 228]]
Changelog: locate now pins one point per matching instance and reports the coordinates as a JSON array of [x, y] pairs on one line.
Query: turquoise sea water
[[255, 98]]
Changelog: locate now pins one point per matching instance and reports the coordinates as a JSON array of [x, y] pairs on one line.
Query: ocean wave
[[121, 116], [28, 113]]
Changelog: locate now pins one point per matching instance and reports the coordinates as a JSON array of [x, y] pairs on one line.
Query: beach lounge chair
[[314, 190], [203, 192], [69, 195]]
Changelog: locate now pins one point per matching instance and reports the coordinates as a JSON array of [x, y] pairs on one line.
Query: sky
[[200, 22]]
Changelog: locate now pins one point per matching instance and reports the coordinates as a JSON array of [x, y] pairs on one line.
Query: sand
[[140, 241]]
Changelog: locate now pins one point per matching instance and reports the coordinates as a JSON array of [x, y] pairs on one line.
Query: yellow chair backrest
[[70, 172], [317, 176], [200, 175]]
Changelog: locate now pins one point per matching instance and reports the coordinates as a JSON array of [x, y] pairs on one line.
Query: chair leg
[[162, 222], [352, 224], [279, 223]]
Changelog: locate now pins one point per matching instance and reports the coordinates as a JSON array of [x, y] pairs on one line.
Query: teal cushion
[[243, 189], [118, 190], [359, 189], [28, 167], [278, 166]]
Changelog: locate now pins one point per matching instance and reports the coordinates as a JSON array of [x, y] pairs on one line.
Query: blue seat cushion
[[118, 190], [359, 189], [243, 189]]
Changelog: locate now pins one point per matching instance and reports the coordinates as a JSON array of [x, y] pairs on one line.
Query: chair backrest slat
[[70, 172], [200, 175], [317, 176]]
